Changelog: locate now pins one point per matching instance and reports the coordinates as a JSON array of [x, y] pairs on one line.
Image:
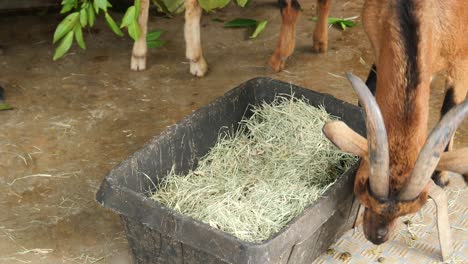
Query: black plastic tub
[[157, 234]]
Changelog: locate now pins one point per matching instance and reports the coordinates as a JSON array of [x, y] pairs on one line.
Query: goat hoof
[[276, 63], [320, 46], [198, 68], [441, 178], [138, 63]]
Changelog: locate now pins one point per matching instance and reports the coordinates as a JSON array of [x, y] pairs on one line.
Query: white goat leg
[[443, 226], [138, 60], [193, 12]]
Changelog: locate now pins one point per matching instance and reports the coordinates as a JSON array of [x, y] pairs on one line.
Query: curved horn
[[432, 150], [376, 139]]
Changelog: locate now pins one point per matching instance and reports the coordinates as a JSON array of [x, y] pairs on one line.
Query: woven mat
[[414, 241]]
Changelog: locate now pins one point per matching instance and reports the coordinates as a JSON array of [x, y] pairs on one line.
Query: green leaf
[[260, 27], [65, 26], [134, 30], [67, 7], [91, 16], [242, 3], [155, 43], [342, 23], [154, 35], [349, 23], [4, 107], [333, 20], [162, 6], [209, 5], [96, 6], [343, 26], [103, 4], [100, 4], [137, 5], [129, 17], [216, 19], [113, 25], [170, 7], [241, 22], [83, 17], [79, 37], [64, 46], [152, 39]]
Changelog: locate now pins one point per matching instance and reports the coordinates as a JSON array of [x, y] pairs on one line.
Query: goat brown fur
[[412, 41]]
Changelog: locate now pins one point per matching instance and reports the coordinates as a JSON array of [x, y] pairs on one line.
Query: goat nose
[[381, 232]]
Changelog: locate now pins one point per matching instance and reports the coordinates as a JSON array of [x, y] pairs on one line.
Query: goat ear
[[454, 161], [345, 138]]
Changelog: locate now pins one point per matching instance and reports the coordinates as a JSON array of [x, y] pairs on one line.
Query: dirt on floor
[[76, 118]]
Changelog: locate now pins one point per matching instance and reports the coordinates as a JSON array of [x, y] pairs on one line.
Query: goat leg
[[290, 10], [138, 60], [194, 52], [443, 226], [321, 28]]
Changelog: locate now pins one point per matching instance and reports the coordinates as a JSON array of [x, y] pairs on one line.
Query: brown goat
[[290, 10], [412, 40]]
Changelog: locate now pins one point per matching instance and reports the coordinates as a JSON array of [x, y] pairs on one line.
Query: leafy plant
[[248, 23], [83, 15], [341, 22], [152, 39], [130, 20], [177, 6]]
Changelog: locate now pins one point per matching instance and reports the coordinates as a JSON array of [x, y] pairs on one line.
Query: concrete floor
[[76, 118]]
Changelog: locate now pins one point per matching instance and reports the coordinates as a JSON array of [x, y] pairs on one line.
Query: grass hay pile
[[257, 179]]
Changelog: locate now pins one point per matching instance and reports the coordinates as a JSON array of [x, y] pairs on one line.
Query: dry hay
[[257, 179]]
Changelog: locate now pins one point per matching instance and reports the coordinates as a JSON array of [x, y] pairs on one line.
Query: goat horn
[[376, 139], [432, 150]]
